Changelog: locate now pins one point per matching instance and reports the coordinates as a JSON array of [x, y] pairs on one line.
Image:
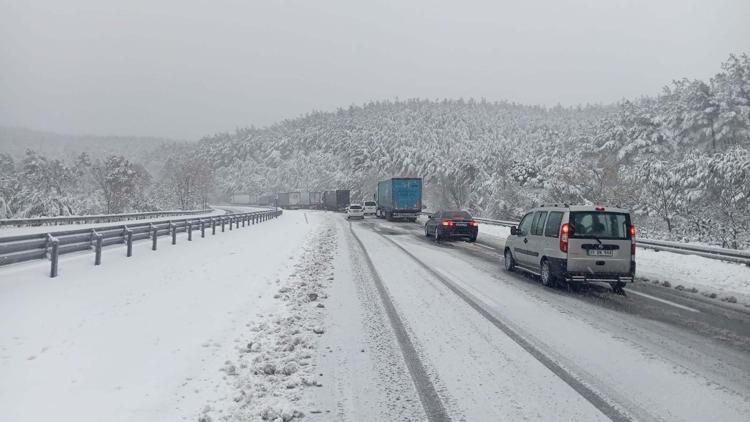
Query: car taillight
[[632, 240], [447, 223], [474, 223], [564, 232]]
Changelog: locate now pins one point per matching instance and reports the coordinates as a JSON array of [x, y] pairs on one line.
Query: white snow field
[[151, 337], [309, 317]]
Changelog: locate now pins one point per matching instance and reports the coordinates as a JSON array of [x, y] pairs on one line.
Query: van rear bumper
[[559, 267]]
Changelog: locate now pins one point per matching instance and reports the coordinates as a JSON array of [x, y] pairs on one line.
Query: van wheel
[[546, 274], [510, 263]]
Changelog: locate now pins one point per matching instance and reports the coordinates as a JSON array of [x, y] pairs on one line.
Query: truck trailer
[[336, 200], [399, 198]]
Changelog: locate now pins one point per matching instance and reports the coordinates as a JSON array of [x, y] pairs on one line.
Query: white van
[[371, 207], [574, 244]]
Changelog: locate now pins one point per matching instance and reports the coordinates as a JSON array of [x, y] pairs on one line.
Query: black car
[[451, 225]]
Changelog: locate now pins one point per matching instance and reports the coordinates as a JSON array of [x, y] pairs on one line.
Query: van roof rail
[[555, 205]]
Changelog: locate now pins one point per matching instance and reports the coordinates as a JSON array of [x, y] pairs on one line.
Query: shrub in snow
[[318, 330], [666, 284], [269, 368], [679, 287], [730, 299], [290, 368]]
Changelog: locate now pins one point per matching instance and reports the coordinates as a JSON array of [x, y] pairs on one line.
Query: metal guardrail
[[14, 249], [723, 254], [100, 218]]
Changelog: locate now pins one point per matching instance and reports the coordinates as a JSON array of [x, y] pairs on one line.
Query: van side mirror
[[513, 231]]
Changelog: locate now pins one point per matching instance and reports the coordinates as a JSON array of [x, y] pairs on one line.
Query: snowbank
[[149, 337]]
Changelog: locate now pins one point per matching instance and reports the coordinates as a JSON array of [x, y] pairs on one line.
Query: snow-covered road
[[314, 318]]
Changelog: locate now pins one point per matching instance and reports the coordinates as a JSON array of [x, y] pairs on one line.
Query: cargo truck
[[336, 200], [316, 200], [283, 200], [399, 198]]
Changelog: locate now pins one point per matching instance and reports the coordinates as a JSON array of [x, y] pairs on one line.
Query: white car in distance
[[355, 211]]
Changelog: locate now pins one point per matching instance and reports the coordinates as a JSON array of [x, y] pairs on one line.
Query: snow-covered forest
[[679, 159]]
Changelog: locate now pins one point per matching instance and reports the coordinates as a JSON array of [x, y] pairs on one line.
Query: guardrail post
[[203, 228], [189, 228], [173, 229], [98, 249], [129, 242], [244, 217], [237, 223], [54, 244], [154, 232], [222, 224]]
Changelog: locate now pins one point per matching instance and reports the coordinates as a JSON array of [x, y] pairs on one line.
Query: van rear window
[[601, 225]]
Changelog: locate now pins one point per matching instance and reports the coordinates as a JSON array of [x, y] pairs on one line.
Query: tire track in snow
[[615, 413], [433, 406]]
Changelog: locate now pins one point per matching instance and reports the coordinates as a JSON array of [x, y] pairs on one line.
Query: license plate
[[600, 252], [461, 224]]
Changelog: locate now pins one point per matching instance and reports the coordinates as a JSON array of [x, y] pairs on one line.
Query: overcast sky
[[185, 69]]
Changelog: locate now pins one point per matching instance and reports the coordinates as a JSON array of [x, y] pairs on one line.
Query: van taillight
[[564, 232], [632, 240]]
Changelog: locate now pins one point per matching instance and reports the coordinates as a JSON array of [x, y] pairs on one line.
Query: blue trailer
[[399, 198]]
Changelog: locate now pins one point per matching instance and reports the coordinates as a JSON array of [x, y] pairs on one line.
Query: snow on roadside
[[138, 338], [723, 279], [274, 366]]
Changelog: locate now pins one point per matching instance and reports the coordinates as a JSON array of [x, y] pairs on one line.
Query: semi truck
[[316, 200], [399, 198], [336, 200]]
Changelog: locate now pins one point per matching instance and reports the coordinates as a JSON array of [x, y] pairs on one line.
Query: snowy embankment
[[216, 328], [20, 231]]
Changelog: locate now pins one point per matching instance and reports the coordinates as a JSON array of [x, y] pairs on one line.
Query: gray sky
[[187, 68]]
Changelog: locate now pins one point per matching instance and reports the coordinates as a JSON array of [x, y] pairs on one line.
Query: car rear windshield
[[355, 207], [600, 225], [370, 204], [463, 215]]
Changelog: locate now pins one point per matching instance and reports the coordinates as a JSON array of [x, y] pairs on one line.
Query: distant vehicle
[[336, 200], [399, 198], [240, 198], [316, 200], [451, 225], [371, 207], [355, 211], [283, 200], [574, 244]]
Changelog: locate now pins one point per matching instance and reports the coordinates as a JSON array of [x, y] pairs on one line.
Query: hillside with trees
[[679, 159]]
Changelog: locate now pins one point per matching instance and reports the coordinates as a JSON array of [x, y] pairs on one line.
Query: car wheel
[[437, 235], [510, 263], [472, 239], [426, 233], [546, 274]]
